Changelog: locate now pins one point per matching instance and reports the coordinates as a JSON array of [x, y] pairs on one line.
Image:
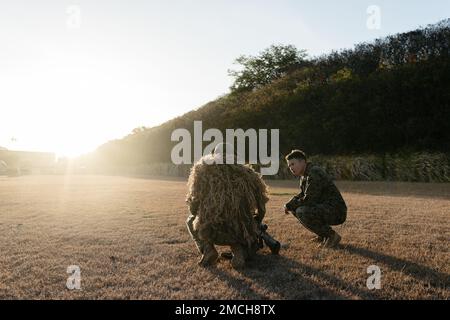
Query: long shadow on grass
[[289, 279], [422, 273]]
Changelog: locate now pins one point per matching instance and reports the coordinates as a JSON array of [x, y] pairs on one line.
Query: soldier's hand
[[292, 205]]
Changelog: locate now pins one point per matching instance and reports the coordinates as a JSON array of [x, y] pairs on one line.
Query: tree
[[272, 63]]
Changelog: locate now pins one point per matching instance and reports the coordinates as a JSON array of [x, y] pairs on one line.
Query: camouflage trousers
[[221, 238], [319, 218], [194, 234]]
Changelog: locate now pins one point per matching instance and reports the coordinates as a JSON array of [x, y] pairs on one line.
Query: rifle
[[265, 238]]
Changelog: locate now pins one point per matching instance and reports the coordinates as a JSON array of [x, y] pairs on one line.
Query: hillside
[[388, 96]]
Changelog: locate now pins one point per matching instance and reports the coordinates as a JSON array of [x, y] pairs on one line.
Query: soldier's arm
[[260, 214], [298, 197], [193, 205], [317, 180], [261, 209], [300, 194]]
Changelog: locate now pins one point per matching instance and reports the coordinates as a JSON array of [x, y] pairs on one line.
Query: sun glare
[[70, 107]]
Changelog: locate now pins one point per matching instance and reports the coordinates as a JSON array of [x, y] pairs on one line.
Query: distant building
[[3, 167], [26, 162]]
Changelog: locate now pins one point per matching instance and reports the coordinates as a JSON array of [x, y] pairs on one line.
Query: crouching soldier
[[227, 206], [319, 205]]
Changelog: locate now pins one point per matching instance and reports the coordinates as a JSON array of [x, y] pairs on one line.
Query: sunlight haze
[[75, 74]]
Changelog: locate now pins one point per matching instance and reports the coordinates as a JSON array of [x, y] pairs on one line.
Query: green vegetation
[[389, 97]]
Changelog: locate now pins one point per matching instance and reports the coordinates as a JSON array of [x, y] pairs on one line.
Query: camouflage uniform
[[190, 226], [223, 237], [241, 235], [321, 204]]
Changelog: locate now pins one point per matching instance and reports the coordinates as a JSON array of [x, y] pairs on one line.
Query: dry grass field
[[128, 236]]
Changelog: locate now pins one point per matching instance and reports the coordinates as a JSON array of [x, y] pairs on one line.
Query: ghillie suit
[[227, 205]]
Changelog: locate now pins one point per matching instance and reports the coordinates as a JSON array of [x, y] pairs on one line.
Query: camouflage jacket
[[316, 187]]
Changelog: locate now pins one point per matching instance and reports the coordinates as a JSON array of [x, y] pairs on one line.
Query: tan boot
[[209, 256], [239, 257], [332, 241]]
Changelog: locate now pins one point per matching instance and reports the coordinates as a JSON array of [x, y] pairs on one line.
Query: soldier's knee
[[337, 216], [342, 216]]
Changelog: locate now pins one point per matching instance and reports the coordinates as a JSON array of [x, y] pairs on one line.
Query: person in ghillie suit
[[319, 205], [227, 206]]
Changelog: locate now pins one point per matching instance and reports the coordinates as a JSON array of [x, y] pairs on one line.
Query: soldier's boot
[[209, 256], [239, 256], [228, 255], [332, 241]]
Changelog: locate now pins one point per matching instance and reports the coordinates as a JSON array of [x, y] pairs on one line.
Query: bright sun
[[69, 107]]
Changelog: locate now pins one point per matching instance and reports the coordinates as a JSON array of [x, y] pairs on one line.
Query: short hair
[[296, 154]]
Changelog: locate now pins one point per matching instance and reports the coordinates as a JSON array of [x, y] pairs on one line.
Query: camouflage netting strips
[[227, 196]]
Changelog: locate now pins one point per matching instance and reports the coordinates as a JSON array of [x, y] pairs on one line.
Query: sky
[[75, 74]]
